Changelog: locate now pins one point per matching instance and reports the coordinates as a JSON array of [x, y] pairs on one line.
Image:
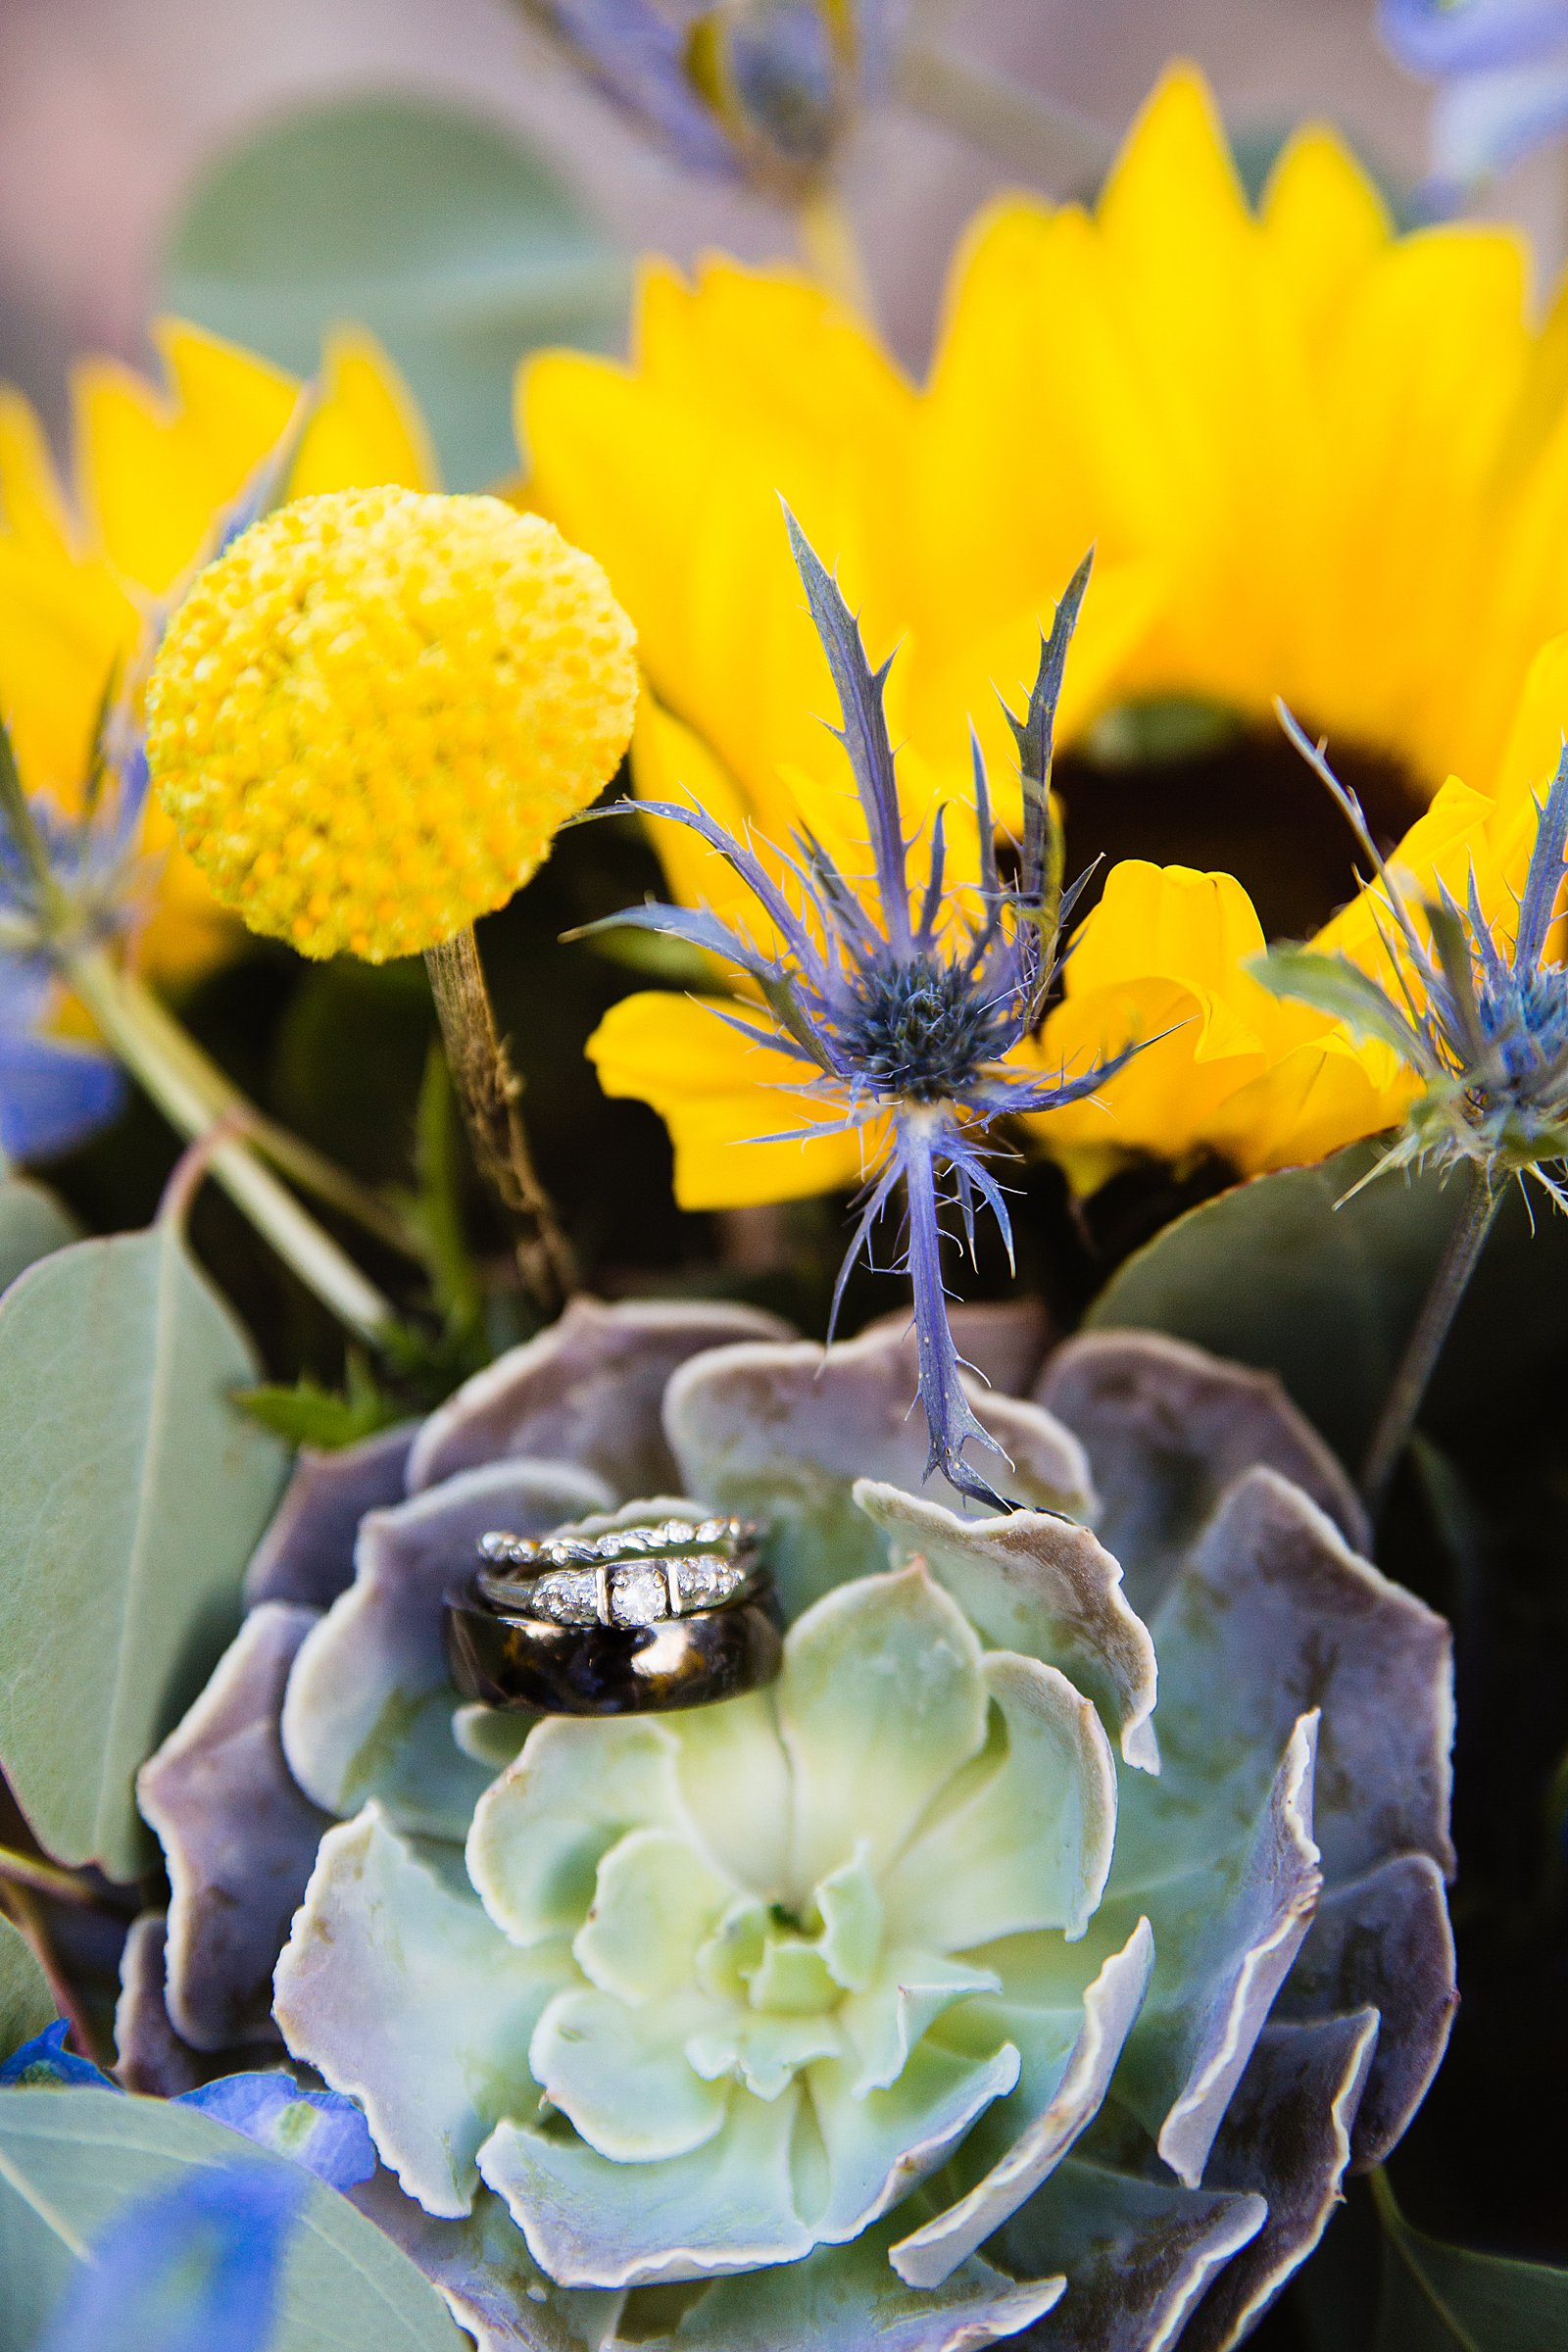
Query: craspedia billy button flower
[[372, 715]]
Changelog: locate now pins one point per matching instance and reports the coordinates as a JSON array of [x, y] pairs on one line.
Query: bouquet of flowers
[[730, 1611]]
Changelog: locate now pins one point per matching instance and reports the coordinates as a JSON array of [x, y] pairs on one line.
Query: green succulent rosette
[[949, 1990]]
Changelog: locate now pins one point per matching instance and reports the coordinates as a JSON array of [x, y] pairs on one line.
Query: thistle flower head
[[763, 90], [373, 713], [1480, 1018], [912, 1012]]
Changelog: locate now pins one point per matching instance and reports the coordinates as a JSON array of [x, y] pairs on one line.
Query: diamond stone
[[638, 1597]]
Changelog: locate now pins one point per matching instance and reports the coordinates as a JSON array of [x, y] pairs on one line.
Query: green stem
[[488, 1089], [21, 1905], [1025, 134], [46, 1877], [1460, 1256], [159, 1054], [830, 250]]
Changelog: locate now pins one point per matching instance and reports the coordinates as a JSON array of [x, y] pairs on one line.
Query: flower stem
[[1461, 1254], [829, 248], [159, 1054], [21, 1907], [488, 1089], [1024, 132], [46, 1877]]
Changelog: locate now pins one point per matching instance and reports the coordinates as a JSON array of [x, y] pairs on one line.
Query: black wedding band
[[506, 1660]]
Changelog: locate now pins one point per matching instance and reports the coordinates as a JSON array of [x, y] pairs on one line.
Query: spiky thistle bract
[[910, 1006], [1480, 1018]]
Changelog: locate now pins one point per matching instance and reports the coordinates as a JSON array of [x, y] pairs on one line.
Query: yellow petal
[[156, 468], [366, 429], [718, 1092]]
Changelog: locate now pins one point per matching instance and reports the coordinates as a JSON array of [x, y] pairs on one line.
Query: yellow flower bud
[[372, 715]]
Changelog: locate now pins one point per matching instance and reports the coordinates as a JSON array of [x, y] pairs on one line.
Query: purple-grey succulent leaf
[[239, 1835], [1040, 1584], [369, 1706], [1167, 1429], [493, 2286], [1000, 1340], [1026, 2135], [849, 2298], [306, 1554], [1138, 2254], [1229, 1926], [1276, 1612], [150, 2056], [430, 2027], [588, 1391], [1286, 2136], [783, 1433], [1383, 1941]]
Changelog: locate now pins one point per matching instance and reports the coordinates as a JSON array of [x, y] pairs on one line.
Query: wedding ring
[[637, 1620], [626, 1576]]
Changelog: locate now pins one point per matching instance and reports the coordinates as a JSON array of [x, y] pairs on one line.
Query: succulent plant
[[945, 1991]]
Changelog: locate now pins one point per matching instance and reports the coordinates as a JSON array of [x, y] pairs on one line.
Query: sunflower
[[85, 573], [1319, 459]]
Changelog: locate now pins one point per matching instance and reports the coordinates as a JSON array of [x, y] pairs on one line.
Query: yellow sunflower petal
[[366, 432], [718, 1092], [156, 466]]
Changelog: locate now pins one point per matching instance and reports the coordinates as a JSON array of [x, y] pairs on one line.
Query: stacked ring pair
[[638, 1620]]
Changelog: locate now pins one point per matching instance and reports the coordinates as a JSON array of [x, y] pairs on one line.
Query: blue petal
[[1543, 878], [864, 733], [1483, 123], [45, 2064], [637, 56], [53, 1096], [782, 64], [1443, 37], [319, 2128], [194, 2268]]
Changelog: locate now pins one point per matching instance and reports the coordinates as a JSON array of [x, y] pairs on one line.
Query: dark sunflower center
[[1239, 803], [916, 1027]]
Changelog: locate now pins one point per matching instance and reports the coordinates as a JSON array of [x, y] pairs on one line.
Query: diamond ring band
[[677, 1613], [628, 1576]]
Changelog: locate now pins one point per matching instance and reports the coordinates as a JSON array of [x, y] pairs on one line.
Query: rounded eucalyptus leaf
[[132, 1495], [1439, 2298], [1302, 1274], [71, 2161], [27, 2004], [32, 1223], [436, 229]]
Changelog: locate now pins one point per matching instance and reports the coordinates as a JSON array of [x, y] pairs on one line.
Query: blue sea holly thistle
[[1465, 986], [908, 1010]]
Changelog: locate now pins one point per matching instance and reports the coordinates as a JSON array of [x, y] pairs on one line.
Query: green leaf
[[1439, 2298], [27, 2004], [1333, 985], [132, 1495], [307, 1414], [69, 2160], [1302, 1275], [32, 1223], [435, 228]]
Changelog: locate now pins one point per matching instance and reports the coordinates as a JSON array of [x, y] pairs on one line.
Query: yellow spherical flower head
[[370, 716]]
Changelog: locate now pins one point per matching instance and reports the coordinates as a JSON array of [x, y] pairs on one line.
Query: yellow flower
[[79, 573], [1319, 459], [372, 715]]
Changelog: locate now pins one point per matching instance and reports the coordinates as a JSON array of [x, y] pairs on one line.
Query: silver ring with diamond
[[629, 1576]]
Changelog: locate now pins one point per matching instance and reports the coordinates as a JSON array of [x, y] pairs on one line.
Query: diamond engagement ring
[[672, 1614], [629, 1576]]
